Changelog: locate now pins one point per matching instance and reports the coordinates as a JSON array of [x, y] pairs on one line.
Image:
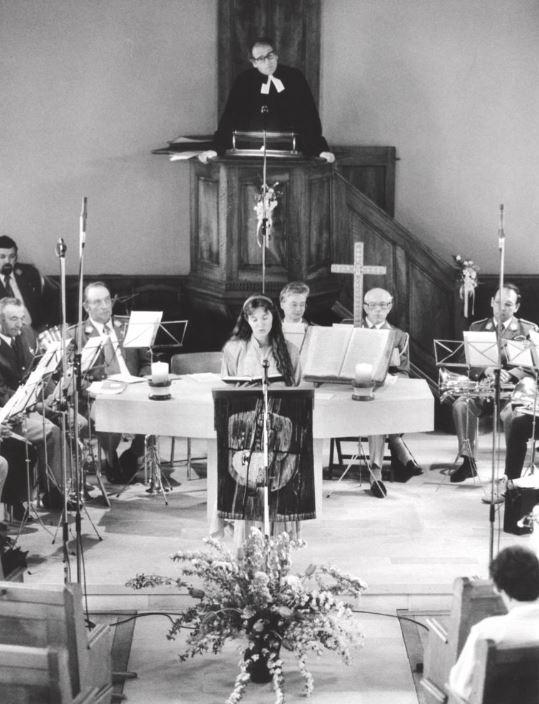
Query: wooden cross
[[359, 270]]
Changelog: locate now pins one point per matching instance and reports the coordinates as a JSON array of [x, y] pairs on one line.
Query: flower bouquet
[[468, 281], [255, 597]]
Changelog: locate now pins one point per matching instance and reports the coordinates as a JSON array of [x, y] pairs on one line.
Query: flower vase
[[256, 656]]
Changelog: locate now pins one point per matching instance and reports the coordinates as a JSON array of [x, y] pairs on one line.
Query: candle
[[159, 372], [363, 374]]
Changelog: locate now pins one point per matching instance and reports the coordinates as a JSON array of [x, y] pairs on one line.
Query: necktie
[[7, 286], [114, 361]]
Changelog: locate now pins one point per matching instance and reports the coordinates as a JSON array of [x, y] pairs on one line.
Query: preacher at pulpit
[[273, 97]]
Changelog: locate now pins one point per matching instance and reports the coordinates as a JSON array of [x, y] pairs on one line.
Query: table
[[404, 406]]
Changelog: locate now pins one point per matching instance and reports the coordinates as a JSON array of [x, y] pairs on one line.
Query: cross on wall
[[359, 270]]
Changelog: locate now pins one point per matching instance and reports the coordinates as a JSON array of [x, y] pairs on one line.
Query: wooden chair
[[31, 615], [193, 363], [473, 600], [38, 676], [505, 674]]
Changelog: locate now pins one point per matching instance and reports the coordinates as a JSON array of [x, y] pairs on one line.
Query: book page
[[480, 348], [326, 351], [368, 346]]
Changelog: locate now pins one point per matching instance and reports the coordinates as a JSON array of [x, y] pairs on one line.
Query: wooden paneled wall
[[423, 285]]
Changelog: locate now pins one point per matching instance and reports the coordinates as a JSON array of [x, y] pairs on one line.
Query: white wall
[[454, 85], [88, 89]]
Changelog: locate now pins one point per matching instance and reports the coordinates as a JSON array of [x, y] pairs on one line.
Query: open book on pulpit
[[334, 352]]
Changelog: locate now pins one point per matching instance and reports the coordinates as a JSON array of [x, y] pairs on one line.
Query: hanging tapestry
[[241, 474]]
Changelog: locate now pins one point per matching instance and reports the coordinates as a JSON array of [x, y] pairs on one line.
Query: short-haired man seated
[[114, 358], [377, 303], [515, 573]]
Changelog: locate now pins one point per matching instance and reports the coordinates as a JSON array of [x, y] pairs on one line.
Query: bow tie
[[265, 87]]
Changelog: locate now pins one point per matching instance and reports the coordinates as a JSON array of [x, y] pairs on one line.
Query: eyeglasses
[[267, 57], [382, 306]]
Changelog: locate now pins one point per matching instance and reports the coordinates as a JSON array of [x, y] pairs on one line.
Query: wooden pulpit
[[226, 259]]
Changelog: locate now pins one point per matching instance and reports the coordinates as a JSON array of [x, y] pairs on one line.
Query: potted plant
[[253, 596]]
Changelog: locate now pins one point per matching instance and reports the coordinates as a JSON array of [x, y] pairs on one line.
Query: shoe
[[378, 489], [72, 505], [53, 500], [403, 472], [21, 513], [466, 470]]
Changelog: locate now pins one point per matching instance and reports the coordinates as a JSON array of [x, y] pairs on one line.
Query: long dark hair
[[242, 331]]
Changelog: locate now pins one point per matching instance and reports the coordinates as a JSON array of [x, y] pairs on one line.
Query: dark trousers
[[517, 443], [15, 487]]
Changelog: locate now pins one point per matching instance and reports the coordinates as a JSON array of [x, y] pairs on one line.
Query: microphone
[[501, 234], [61, 248], [82, 227]]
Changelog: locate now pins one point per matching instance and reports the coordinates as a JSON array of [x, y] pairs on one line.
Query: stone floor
[[408, 547]]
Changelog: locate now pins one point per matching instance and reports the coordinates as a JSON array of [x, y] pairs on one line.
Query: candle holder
[[159, 390], [363, 389]]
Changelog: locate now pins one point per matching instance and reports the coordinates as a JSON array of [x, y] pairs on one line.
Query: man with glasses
[[113, 359], [377, 304], [468, 409], [274, 97]]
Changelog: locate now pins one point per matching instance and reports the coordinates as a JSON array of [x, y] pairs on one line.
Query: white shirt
[[520, 625], [111, 333]]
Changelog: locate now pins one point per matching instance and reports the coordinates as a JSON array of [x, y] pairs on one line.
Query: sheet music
[[142, 328], [480, 348], [519, 353], [27, 394]]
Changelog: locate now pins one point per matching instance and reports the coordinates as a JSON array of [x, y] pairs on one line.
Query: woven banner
[[241, 474]]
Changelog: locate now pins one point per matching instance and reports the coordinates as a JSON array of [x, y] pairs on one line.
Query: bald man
[[377, 303]]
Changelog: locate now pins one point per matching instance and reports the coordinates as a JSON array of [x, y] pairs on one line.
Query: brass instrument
[[452, 385], [525, 396]]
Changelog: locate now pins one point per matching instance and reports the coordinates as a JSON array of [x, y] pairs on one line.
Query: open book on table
[[334, 352]]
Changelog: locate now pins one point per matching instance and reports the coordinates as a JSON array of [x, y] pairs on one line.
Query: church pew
[[38, 676], [53, 617], [473, 600], [504, 675]]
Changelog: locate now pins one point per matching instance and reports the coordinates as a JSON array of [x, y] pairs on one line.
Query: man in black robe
[[272, 97]]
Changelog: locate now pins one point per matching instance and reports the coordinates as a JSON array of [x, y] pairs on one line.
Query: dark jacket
[[293, 110]]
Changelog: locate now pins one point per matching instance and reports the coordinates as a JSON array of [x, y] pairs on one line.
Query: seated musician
[[515, 573], [466, 409], [17, 349], [25, 282], [258, 336], [377, 304], [113, 358], [273, 97]]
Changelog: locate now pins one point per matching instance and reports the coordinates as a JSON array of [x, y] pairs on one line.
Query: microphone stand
[[264, 223], [61, 253], [77, 381], [497, 371], [265, 445]]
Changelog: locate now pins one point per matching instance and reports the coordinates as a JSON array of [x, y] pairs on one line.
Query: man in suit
[[23, 281], [467, 410], [273, 97], [113, 358], [17, 350], [377, 303]]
